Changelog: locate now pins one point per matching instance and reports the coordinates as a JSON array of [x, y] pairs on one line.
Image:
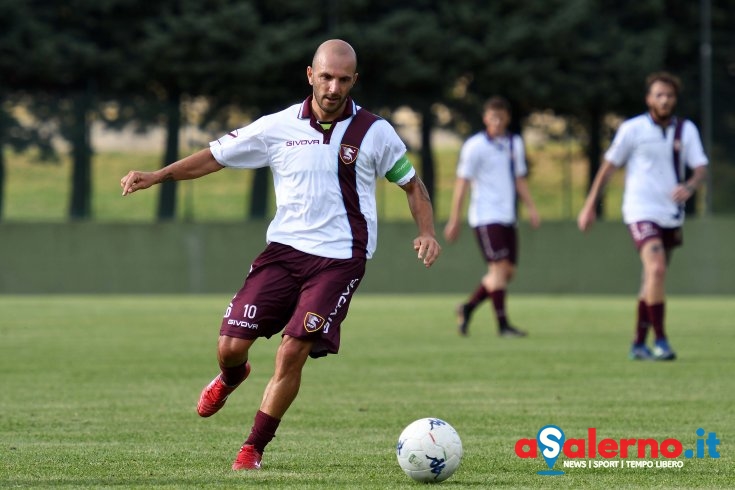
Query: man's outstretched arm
[[194, 166]]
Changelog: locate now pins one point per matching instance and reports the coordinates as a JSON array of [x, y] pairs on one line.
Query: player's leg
[[464, 310], [284, 385], [232, 355], [497, 244], [313, 329], [480, 293], [260, 308], [638, 349], [503, 242], [496, 281], [279, 393], [654, 258]]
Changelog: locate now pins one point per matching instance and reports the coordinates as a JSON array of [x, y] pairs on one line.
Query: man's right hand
[[586, 217], [135, 181], [451, 230]]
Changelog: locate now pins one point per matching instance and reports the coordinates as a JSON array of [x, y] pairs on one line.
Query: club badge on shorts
[[313, 322]]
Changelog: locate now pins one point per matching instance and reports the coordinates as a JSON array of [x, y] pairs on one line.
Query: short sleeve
[[519, 156], [620, 148], [466, 166], [694, 155], [242, 148], [390, 153]]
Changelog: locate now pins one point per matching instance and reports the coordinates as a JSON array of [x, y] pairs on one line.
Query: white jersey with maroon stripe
[[647, 150], [486, 163], [310, 214]]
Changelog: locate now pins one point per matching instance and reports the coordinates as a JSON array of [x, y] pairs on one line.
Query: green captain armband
[[399, 170]]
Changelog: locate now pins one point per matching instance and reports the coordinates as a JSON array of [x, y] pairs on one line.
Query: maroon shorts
[[498, 242], [304, 295], [642, 231]]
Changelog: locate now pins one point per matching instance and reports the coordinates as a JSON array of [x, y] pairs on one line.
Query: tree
[[19, 48], [682, 57], [236, 54], [271, 73], [405, 59], [75, 62], [580, 58]]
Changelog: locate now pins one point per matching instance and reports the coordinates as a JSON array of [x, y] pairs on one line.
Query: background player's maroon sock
[[233, 376], [263, 431], [498, 297], [656, 316], [642, 323], [477, 297]]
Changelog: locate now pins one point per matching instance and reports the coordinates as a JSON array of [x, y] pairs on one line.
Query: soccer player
[[493, 164], [656, 146], [326, 155]]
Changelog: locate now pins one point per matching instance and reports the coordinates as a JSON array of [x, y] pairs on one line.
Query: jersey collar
[[497, 139], [307, 113], [672, 120]]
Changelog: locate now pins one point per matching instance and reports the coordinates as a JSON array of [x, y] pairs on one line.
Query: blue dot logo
[[551, 440]]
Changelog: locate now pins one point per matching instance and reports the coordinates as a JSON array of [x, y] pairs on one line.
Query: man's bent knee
[[232, 351]]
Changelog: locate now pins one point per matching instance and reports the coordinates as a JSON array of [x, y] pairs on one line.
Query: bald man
[[326, 155]]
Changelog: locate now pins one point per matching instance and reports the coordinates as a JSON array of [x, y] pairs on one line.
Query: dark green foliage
[[583, 59]]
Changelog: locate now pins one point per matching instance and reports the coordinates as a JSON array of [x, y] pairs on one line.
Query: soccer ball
[[429, 450]]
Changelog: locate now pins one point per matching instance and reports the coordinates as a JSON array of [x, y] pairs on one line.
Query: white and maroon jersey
[[311, 199], [647, 150], [492, 171]]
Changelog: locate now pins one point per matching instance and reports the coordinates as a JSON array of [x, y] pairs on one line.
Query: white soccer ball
[[429, 450]]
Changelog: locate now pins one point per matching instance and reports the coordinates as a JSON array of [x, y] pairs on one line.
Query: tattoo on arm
[[424, 193], [168, 176]]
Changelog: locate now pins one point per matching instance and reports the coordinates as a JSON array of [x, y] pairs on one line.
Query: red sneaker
[[247, 459], [215, 394]]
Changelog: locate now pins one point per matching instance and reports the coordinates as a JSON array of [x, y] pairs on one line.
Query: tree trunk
[[3, 133], [167, 196], [594, 154], [427, 155], [81, 190], [690, 207], [259, 194], [2, 169]]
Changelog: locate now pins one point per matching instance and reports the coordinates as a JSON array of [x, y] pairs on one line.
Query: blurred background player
[[493, 164], [656, 146], [318, 242]]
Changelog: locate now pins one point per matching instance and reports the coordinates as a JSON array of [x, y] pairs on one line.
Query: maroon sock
[[477, 297], [263, 431], [498, 297], [656, 316], [642, 323], [233, 376]]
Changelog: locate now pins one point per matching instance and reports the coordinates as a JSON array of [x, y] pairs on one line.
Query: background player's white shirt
[[647, 150], [310, 214], [486, 163]]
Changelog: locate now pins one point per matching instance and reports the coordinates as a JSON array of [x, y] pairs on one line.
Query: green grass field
[[100, 392]]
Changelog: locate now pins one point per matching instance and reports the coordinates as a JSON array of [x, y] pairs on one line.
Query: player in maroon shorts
[[655, 147], [325, 155], [493, 164]]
